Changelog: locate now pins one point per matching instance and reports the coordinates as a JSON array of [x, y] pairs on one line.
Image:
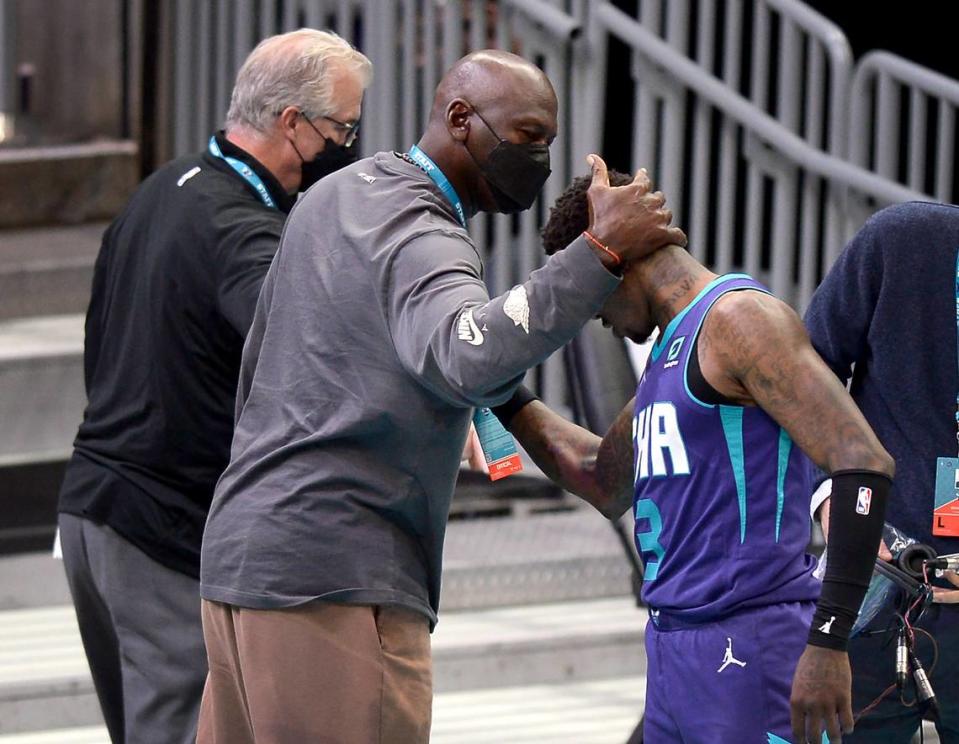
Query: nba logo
[[957, 481], [864, 501]]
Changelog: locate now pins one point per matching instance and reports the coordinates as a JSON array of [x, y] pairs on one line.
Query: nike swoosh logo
[[467, 330], [477, 333]]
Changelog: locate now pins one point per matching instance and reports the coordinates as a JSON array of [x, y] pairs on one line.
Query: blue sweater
[[888, 306]]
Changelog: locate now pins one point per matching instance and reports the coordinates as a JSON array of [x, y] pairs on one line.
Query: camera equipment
[[945, 562], [923, 689], [913, 558], [902, 659], [909, 572], [904, 585], [911, 586]]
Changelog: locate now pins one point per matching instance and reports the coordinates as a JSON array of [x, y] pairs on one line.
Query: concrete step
[[45, 682], [41, 386], [42, 398], [44, 678], [495, 562], [538, 558], [75, 735], [558, 672], [601, 711], [543, 643], [593, 712], [48, 270], [66, 184], [32, 581]]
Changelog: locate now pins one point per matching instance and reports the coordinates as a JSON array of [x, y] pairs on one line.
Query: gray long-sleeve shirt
[[373, 338]]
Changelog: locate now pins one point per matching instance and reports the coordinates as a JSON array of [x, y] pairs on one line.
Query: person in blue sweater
[[887, 316]]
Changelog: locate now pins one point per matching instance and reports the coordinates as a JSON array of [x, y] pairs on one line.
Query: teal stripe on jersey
[[785, 447], [732, 419], [773, 739]]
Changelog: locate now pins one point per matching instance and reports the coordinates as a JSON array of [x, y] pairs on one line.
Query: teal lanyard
[[245, 171], [433, 171]]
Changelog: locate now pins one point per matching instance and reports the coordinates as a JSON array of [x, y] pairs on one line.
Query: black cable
[[932, 666]]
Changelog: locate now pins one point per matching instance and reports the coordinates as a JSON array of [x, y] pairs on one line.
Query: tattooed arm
[[754, 349], [600, 471]]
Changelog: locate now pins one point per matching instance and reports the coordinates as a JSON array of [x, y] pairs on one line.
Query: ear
[[287, 119], [458, 119]]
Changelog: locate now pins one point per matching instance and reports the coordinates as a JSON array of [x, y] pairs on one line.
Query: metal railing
[[776, 195], [904, 124], [749, 114], [410, 43], [813, 68]]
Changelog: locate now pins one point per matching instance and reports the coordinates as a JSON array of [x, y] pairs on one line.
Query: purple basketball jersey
[[721, 494]]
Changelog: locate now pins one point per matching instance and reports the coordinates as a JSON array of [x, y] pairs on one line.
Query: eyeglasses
[[350, 130]]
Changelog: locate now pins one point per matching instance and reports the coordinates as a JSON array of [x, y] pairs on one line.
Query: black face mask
[[333, 157], [515, 173]]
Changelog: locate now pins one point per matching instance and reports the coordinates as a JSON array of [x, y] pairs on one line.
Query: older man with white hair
[[174, 291]]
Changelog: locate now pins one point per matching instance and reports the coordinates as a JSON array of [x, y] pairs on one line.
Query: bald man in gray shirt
[[373, 340]]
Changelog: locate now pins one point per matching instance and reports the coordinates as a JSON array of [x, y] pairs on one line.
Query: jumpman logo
[[827, 626], [729, 658]]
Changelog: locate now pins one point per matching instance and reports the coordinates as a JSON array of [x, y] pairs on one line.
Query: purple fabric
[[706, 554], [688, 698]]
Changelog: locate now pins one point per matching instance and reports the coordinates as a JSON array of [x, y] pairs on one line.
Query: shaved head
[[492, 78], [492, 121]]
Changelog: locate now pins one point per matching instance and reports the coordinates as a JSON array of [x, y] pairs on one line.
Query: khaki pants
[[322, 672]]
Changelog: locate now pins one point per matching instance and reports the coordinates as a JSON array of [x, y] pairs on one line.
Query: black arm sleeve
[[855, 528], [510, 408]]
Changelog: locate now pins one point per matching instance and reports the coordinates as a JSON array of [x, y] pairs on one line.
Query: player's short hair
[[292, 69], [569, 216]]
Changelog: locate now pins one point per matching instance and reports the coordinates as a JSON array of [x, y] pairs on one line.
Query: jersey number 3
[[648, 540], [655, 434]]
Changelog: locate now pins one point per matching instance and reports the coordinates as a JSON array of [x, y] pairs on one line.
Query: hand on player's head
[[630, 219]]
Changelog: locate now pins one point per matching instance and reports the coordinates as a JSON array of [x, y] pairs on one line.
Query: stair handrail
[[675, 64]]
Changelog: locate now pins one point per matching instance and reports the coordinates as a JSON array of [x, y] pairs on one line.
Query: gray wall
[[75, 50]]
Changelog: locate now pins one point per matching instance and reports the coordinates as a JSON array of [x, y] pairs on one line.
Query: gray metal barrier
[[410, 43], [904, 124], [813, 69], [796, 69], [746, 112], [778, 182]]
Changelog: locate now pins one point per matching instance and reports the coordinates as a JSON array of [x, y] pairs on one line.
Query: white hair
[[292, 69]]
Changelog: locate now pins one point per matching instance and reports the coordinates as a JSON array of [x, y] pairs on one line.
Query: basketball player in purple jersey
[[710, 456]]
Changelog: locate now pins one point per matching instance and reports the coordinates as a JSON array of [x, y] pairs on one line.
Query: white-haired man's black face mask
[[332, 157]]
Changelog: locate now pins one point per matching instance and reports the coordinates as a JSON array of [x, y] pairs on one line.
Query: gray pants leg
[[141, 630]]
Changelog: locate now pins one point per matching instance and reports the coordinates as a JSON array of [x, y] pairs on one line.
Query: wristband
[[856, 515], [510, 408], [832, 622], [617, 260]]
